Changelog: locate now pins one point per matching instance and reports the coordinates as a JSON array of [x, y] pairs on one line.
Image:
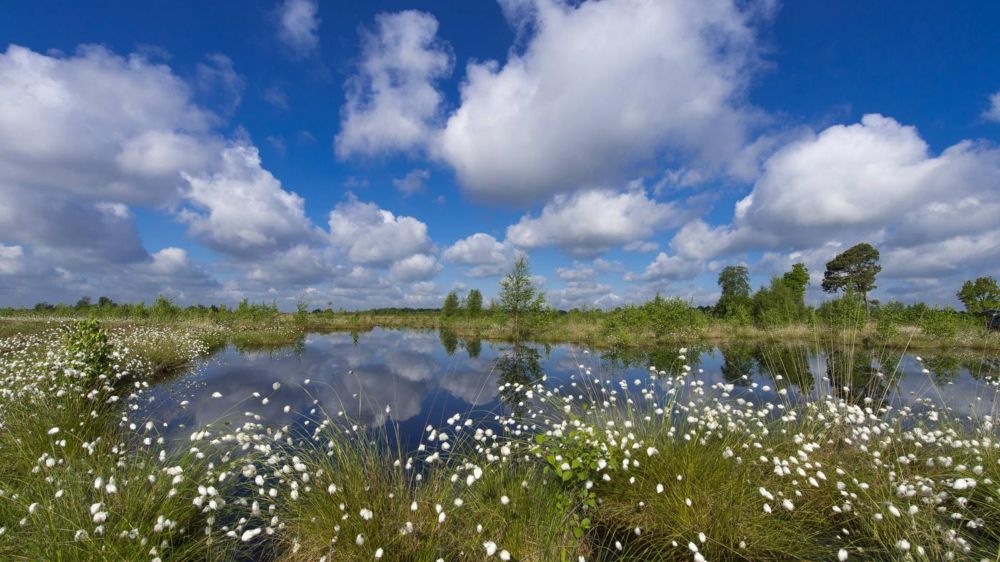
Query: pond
[[413, 379]]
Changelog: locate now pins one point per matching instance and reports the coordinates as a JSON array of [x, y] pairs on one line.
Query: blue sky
[[382, 153]]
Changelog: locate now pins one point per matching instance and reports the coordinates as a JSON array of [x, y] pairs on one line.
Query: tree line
[[851, 275]]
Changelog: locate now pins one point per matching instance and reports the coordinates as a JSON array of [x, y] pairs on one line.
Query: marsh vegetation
[[514, 451]]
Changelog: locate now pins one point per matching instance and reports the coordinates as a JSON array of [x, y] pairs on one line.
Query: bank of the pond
[[591, 329], [594, 332], [658, 465]]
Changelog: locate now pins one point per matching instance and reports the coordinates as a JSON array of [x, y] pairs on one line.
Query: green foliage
[[735, 298], [301, 311], [888, 318], [473, 347], [577, 460], [450, 306], [797, 279], [518, 294], [665, 318], [88, 342], [940, 323], [448, 340], [853, 269], [474, 303], [777, 305], [672, 316], [163, 308], [256, 312], [783, 302], [847, 311], [980, 295]]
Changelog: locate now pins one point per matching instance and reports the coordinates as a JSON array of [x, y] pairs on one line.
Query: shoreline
[[286, 329]]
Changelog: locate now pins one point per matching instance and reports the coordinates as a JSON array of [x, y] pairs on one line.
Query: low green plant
[[939, 323], [87, 341], [577, 460]]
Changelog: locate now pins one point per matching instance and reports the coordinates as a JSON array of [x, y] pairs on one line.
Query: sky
[[383, 153]]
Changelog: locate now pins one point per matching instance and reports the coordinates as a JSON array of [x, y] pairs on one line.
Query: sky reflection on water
[[416, 378]]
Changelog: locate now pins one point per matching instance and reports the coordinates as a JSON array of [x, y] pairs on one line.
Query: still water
[[417, 378]]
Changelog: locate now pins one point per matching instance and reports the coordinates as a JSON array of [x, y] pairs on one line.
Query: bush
[[777, 305], [940, 323], [888, 318], [88, 342], [662, 317], [847, 311]]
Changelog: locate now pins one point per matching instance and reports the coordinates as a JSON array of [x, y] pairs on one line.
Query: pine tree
[[856, 269], [518, 295], [474, 303], [450, 306]]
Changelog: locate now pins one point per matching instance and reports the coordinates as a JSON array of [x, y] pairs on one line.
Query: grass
[[75, 482], [592, 329], [658, 467], [637, 327], [405, 520]]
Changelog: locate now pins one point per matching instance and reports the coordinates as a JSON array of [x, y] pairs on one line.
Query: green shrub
[[88, 342], [940, 323], [847, 311]]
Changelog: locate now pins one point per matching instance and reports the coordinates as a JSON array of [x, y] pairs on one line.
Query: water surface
[[413, 378]]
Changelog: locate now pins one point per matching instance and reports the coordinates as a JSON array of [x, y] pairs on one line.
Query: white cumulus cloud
[[392, 103], [668, 268], [600, 89], [593, 221], [418, 267], [370, 235], [487, 256], [242, 209]]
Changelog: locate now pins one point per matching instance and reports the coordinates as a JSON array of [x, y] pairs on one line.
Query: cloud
[[418, 267], [217, 77], [276, 96], [98, 126], [413, 182], [601, 90], [993, 113], [665, 267], [298, 26], [977, 253], [10, 259], [170, 271], [392, 102], [488, 257], [241, 210], [641, 246], [37, 278], [88, 139], [296, 266], [576, 274], [370, 235], [874, 181], [587, 223], [69, 231], [584, 295]]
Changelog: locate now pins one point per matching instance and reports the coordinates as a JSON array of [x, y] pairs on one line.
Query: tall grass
[[78, 481]]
